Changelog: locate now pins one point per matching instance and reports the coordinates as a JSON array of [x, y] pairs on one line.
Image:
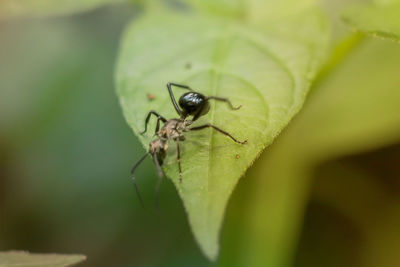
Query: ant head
[[194, 104]]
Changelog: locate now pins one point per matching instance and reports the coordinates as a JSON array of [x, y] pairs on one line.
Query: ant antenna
[[134, 180]]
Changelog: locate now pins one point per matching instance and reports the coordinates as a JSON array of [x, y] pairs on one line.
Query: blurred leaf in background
[[47, 8], [353, 216], [380, 19], [18, 258]]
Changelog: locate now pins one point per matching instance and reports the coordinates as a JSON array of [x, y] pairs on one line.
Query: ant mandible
[[190, 104]]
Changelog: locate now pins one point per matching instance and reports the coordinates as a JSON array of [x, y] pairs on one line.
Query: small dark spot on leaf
[[188, 66], [150, 96], [237, 156]]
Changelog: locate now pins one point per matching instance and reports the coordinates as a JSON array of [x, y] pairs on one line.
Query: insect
[[191, 103]]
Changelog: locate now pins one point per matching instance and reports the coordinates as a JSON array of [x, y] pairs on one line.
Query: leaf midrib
[[224, 45]]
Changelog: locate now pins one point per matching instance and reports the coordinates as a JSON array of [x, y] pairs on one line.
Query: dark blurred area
[[66, 152], [353, 217]]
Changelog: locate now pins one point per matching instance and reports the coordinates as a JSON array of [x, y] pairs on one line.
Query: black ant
[[190, 104]]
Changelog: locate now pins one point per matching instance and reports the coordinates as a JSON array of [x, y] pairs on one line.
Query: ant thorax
[[173, 129]]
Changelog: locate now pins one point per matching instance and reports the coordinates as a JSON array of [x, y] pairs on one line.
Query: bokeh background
[[66, 152]]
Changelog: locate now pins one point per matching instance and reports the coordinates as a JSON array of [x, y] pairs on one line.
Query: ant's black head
[[194, 104]]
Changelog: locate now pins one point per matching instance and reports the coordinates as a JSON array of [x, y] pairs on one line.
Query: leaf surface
[[26, 259], [265, 69], [381, 19]]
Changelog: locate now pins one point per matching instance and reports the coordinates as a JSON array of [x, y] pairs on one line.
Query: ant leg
[[224, 100], [208, 125], [159, 117], [157, 126], [180, 86], [171, 94], [179, 161], [134, 180], [160, 175]]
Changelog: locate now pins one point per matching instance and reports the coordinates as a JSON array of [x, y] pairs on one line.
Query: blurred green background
[[66, 152]]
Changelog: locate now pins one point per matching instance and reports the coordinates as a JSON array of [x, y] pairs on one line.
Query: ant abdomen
[[195, 104], [159, 149]]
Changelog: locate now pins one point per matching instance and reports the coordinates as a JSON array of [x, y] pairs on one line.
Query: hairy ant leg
[[134, 180], [223, 99], [171, 94], [208, 125], [178, 150], [159, 117]]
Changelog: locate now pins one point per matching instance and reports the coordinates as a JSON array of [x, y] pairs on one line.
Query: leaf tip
[[210, 251]]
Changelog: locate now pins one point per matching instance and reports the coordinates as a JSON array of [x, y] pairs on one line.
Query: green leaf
[[44, 8], [26, 259], [228, 8], [354, 109], [265, 69], [377, 20], [252, 10]]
